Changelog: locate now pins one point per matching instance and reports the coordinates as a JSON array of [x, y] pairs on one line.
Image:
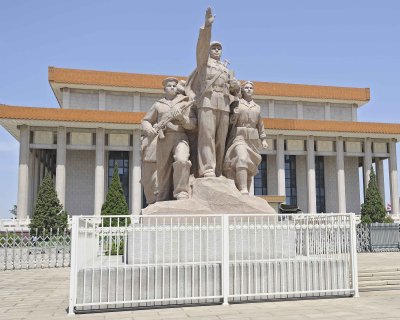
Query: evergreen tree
[[13, 211], [373, 208], [48, 214], [115, 203]]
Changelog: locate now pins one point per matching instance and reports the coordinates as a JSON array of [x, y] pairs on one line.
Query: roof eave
[[360, 98], [57, 86], [57, 93], [12, 125], [332, 134]]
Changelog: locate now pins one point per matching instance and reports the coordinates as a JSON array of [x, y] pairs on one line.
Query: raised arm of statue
[[203, 42]]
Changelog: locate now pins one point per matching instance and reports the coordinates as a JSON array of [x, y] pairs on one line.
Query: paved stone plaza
[[43, 294]]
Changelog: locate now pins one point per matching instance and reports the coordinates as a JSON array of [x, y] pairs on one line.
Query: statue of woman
[[246, 138]]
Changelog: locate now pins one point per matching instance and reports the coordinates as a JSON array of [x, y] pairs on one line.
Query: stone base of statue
[[212, 196]]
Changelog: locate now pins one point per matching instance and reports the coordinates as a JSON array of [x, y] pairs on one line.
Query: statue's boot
[[181, 179], [241, 180]]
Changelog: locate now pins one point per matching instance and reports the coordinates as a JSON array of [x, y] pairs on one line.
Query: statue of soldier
[[211, 85], [172, 151]]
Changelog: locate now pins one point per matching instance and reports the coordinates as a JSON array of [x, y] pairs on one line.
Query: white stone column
[[61, 161], [23, 173], [311, 184], [327, 111], [367, 162], [354, 108], [36, 176], [280, 164], [341, 181], [102, 100], [41, 168], [31, 178], [136, 172], [380, 179], [65, 98], [136, 102], [99, 171], [394, 189], [271, 109], [300, 114]]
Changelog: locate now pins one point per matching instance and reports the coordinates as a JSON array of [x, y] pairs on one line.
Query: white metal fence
[[22, 248], [117, 262], [378, 237]]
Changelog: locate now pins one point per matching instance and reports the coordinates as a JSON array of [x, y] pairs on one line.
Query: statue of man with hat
[[172, 150], [212, 86]]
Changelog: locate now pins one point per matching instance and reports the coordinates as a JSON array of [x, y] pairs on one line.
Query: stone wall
[[331, 192], [147, 100], [79, 197], [141, 102], [352, 184], [119, 101], [84, 99], [285, 109], [313, 111], [341, 112]]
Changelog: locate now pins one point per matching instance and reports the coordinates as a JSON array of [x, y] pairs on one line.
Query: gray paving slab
[[378, 260], [43, 294]]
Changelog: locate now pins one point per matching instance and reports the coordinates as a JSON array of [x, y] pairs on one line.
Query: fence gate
[[119, 262]]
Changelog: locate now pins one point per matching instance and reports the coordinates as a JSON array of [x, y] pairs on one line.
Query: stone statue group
[[206, 127]]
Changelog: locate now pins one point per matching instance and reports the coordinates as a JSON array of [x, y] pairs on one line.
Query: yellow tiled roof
[[332, 126], [148, 81], [75, 115]]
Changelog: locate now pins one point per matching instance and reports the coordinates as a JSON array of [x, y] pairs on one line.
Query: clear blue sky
[[340, 43]]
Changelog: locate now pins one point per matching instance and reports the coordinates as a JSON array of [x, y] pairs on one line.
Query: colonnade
[[25, 173], [340, 172], [26, 169]]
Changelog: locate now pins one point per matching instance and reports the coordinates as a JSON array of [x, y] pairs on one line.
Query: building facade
[[316, 145]]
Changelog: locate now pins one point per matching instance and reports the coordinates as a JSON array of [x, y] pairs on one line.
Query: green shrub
[[373, 208], [115, 203], [113, 245], [48, 214]]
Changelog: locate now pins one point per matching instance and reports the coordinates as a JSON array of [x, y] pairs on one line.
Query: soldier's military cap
[[169, 79], [246, 82], [215, 43]]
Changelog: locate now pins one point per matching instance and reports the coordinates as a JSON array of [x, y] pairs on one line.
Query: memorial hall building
[[316, 144]]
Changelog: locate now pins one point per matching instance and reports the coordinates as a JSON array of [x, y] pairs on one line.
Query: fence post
[[353, 256], [225, 258], [73, 270], [307, 238], [5, 251]]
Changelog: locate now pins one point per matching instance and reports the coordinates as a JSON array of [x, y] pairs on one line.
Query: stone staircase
[[379, 279]]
